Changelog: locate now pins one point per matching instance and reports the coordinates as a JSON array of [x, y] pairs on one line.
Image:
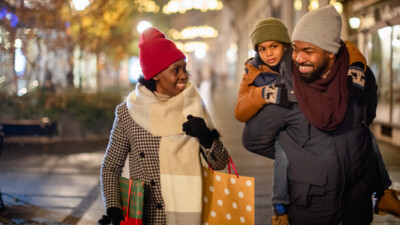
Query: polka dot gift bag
[[132, 192], [227, 198]]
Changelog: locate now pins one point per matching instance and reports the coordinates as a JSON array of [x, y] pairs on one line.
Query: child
[[267, 80], [271, 65]]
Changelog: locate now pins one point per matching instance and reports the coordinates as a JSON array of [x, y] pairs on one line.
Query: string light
[[181, 6], [146, 6], [192, 46], [314, 4], [298, 5], [192, 32], [338, 6]]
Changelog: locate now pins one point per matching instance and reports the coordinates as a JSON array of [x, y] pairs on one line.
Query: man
[[333, 170]]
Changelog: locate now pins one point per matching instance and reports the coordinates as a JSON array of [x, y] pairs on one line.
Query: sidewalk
[[58, 183]]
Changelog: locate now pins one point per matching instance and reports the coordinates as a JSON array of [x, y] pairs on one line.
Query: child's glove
[[115, 215], [196, 127], [276, 94], [356, 81]]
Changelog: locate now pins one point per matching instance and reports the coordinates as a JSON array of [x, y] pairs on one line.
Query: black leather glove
[[276, 94], [196, 127], [115, 215], [105, 220]]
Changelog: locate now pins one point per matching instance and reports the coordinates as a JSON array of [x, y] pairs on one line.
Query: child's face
[[271, 52]]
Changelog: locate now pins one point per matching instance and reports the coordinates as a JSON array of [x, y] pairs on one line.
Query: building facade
[[378, 37]]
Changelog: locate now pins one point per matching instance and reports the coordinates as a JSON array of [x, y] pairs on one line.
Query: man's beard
[[314, 75]]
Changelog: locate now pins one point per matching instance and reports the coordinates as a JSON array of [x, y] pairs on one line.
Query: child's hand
[[276, 94], [356, 81]]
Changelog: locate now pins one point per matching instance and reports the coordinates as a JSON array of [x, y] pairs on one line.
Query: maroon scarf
[[324, 101]]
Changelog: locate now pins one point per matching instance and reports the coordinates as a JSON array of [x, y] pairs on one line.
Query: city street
[[59, 183]]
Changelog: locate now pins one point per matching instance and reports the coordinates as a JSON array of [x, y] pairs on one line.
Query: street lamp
[[354, 22], [80, 5], [143, 25], [200, 53]]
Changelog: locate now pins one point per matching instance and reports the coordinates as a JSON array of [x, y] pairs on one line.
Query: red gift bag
[[132, 195]]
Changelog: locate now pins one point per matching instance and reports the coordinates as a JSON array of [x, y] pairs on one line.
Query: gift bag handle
[[229, 167], [129, 201], [233, 167]]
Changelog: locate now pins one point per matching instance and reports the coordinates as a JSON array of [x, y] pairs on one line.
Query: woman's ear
[[155, 77]]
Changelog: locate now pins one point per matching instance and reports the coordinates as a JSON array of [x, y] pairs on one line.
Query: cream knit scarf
[[180, 165]]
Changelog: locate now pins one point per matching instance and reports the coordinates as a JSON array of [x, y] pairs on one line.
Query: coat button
[[153, 183], [159, 206], [141, 154]]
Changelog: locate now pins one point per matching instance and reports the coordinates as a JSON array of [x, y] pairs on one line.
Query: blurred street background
[[66, 64]]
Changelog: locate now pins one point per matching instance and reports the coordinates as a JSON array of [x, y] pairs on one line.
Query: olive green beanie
[[270, 29]]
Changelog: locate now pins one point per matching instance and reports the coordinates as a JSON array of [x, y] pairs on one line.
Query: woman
[[163, 147]]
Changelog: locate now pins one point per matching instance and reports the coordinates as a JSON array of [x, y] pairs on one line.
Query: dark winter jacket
[[321, 163]]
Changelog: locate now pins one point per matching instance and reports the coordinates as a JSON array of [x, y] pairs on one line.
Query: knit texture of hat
[[270, 29], [156, 52], [320, 27]]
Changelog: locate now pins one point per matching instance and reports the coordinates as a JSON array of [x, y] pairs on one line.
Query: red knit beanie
[[156, 52]]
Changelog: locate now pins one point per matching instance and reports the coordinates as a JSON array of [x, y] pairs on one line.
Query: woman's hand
[[115, 215], [196, 127]]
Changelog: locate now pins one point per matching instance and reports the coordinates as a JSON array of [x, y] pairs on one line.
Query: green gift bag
[[132, 191]]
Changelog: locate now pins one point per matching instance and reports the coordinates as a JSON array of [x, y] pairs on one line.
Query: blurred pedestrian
[[333, 170], [70, 79], [1, 138], [49, 86], [163, 127]]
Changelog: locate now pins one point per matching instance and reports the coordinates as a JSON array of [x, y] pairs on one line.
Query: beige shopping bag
[[227, 198]]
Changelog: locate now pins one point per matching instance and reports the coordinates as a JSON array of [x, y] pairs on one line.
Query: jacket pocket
[[306, 184]]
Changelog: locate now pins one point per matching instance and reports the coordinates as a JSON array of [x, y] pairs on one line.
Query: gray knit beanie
[[320, 27], [270, 29]]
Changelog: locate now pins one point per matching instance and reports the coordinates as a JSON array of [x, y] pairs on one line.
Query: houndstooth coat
[[128, 138]]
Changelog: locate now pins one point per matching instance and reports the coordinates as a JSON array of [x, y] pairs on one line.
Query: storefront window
[[380, 65], [384, 56], [396, 74]]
